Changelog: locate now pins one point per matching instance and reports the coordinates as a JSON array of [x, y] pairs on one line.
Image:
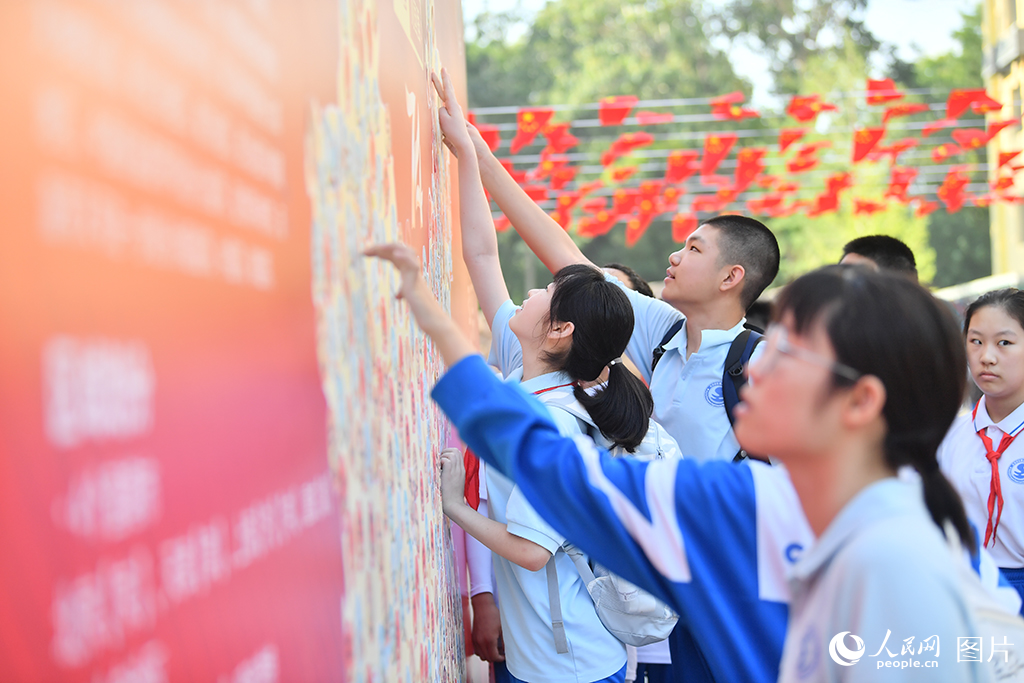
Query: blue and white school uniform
[[530, 651], [687, 392], [962, 459], [882, 572], [716, 541], [720, 560]]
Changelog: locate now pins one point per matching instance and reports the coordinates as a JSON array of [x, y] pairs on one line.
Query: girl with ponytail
[[563, 336], [982, 455], [821, 570]]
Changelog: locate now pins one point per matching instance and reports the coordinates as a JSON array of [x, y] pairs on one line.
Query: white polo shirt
[[962, 459], [688, 398], [525, 612]]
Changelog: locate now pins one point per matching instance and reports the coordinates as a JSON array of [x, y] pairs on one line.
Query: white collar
[[1012, 424], [708, 338]]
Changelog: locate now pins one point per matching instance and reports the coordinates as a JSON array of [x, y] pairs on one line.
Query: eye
[[694, 248], [1004, 342], [974, 341]]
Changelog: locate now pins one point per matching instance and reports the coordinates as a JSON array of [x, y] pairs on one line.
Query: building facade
[[1003, 69]]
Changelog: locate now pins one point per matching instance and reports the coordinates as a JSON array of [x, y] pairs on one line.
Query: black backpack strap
[[733, 379], [659, 351]]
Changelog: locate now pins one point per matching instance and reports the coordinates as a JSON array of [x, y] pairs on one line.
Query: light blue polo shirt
[[530, 651], [688, 398]]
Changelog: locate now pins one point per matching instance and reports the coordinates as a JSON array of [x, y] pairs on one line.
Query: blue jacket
[[700, 537]]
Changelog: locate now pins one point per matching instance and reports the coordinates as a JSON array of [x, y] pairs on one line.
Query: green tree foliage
[[578, 51], [791, 34], [963, 248]]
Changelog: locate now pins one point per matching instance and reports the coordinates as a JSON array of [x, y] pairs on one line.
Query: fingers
[[449, 89], [438, 87]]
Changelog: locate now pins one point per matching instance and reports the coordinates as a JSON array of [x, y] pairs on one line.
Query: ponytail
[[621, 409], [602, 319], [944, 505], [884, 325]]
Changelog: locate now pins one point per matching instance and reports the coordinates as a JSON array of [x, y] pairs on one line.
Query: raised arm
[[432, 319], [542, 234], [479, 241]]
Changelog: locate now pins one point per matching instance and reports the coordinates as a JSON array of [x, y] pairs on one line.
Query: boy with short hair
[[881, 252], [722, 268]]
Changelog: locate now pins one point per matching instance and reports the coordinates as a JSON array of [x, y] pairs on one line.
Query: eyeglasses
[[777, 342]]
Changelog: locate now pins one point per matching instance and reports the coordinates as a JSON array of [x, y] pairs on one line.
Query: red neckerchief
[[472, 465], [995, 492]]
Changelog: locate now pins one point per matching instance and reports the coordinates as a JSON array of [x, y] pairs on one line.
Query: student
[[981, 455], [628, 277], [721, 270], [853, 384], [569, 333], [880, 252]]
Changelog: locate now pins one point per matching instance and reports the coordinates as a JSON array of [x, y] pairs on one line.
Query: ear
[[560, 331], [733, 279], [864, 402]]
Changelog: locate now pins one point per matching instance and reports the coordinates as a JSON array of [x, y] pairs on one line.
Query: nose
[[532, 292], [675, 257], [988, 354]]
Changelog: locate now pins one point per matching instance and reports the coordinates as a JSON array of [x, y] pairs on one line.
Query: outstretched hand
[[453, 478], [454, 127], [403, 258]]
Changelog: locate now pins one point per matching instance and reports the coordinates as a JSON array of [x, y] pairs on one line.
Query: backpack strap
[[733, 378], [659, 351], [555, 607]]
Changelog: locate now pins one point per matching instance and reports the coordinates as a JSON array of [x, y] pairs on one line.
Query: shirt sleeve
[[506, 352], [523, 521], [478, 559], [651, 320]]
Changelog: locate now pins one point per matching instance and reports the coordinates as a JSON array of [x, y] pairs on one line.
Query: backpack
[[733, 379], [996, 624], [632, 615]]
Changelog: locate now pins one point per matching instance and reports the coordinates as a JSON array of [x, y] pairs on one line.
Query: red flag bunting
[[491, 136], [805, 108], [1007, 157], [959, 100], [716, 148], [944, 151], [560, 140], [683, 225], [864, 140], [905, 109], [882, 91], [985, 104], [787, 136], [681, 164], [530, 122], [866, 206], [613, 110]]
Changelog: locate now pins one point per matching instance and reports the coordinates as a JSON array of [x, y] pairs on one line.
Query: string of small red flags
[[651, 174]]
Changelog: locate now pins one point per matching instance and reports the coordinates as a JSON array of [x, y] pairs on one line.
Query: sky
[[916, 27]]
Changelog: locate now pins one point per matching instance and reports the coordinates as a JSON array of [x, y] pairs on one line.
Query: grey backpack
[[631, 614]]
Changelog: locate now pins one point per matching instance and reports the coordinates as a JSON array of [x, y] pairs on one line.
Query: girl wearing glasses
[[982, 455], [854, 384]]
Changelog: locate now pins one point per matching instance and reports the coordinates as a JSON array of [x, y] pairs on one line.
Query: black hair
[[1010, 300], [748, 242], [887, 252], [602, 319], [636, 283], [884, 324]]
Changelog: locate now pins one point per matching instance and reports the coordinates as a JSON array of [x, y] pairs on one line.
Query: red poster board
[[167, 511]]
